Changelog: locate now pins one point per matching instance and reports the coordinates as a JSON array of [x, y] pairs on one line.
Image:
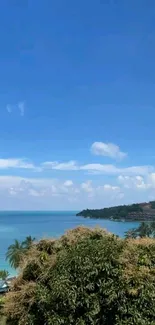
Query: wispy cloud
[[69, 165], [73, 166], [97, 168], [15, 163], [113, 170], [108, 150], [21, 107], [9, 108]]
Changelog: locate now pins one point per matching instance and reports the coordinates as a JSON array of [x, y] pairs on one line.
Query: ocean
[[43, 224]]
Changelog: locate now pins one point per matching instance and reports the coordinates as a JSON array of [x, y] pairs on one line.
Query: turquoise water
[[19, 224]]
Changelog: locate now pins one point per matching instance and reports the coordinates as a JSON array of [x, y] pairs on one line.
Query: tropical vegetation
[[86, 277], [143, 230], [139, 211], [17, 251], [2, 317], [4, 274]]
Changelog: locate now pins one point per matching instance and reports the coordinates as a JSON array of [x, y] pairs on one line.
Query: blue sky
[[77, 103]]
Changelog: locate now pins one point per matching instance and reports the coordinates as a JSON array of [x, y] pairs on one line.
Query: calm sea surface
[[19, 224]]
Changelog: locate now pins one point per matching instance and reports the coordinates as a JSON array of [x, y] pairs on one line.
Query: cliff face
[[140, 212]]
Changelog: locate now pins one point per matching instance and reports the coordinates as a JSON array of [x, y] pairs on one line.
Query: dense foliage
[[87, 277], [113, 212], [2, 318], [143, 230], [142, 211]]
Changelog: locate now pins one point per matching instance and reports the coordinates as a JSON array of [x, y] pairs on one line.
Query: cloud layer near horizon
[[123, 189], [116, 184]]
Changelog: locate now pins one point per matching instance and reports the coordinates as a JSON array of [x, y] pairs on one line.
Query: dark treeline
[[141, 211]]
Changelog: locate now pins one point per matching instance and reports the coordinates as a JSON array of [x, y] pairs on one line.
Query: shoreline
[[119, 220]]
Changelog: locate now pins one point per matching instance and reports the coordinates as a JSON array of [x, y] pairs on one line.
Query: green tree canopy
[[17, 251], [87, 277], [28, 242]]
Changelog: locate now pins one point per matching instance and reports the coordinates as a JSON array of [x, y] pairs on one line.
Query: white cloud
[[70, 165], [132, 182], [113, 170], [108, 150], [68, 183], [21, 106], [36, 193], [97, 168], [151, 179], [138, 182], [11, 191], [9, 108], [18, 186], [101, 190], [59, 194], [15, 163], [87, 187], [105, 169], [108, 187]]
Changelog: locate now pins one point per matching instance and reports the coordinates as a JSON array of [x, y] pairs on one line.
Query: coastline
[[129, 220], [141, 212]]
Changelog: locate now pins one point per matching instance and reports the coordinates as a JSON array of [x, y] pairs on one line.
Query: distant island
[[134, 212]]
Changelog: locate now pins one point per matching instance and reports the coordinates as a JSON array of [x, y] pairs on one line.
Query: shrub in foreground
[[87, 277]]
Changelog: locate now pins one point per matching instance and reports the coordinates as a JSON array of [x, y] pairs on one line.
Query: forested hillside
[[139, 212]]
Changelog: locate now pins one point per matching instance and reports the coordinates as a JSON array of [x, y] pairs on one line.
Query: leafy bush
[[87, 277], [2, 318]]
